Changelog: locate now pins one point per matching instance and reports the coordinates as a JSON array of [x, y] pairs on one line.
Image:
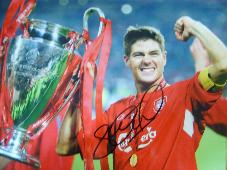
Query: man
[[161, 126], [43, 147], [216, 117]]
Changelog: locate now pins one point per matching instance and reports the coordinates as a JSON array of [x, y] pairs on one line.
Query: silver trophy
[[40, 75]]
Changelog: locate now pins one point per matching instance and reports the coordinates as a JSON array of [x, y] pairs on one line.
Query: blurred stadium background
[[212, 153]]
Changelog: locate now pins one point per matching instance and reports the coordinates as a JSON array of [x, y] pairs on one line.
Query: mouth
[[147, 69]]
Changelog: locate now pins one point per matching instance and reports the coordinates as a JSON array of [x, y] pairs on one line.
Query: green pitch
[[79, 165]]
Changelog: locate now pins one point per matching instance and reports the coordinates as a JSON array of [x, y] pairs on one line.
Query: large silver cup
[[36, 63]]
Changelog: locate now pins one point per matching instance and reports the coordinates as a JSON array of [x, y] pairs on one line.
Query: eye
[[154, 53], [138, 54]]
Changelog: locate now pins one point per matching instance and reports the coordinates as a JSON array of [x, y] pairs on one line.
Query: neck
[[150, 87]]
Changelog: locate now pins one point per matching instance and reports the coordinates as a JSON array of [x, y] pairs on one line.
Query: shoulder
[[186, 82], [180, 84], [119, 105], [124, 101]]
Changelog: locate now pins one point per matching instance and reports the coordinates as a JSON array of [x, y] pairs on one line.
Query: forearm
[[216, 50], [67, 139], [3, 162], [200, 65]]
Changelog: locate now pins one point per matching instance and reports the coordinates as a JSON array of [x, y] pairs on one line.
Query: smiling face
[[146, 61]]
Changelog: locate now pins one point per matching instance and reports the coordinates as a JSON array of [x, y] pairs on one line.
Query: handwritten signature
[[106, 129]]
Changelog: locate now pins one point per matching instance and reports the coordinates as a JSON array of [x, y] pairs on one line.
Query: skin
[[186, 27], [1, 53], [67, 139], [3, 162], [199, 55], [2, 49], [67, 143], [147, 62]]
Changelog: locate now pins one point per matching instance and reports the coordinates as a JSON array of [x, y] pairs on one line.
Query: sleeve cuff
[[206, 81]]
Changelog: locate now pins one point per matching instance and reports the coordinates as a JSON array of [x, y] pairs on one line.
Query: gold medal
[[133, 160]]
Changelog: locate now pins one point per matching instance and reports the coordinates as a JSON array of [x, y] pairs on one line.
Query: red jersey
[[216, 117], [44, 148], [159, 130]]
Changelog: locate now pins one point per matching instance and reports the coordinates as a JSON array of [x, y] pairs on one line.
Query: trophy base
[[21, 157], [13, 145]]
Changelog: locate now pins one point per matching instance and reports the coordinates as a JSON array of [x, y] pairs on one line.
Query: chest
[[141, 121]]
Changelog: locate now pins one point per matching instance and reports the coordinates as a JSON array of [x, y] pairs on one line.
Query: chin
[[148, 81]]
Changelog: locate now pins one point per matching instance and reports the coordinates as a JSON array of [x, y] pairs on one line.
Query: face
[[146, 62]]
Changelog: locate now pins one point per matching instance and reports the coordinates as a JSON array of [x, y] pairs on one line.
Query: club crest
[[160, 103]]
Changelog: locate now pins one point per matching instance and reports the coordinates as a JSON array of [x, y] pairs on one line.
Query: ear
[[126, 60], [164, 54]]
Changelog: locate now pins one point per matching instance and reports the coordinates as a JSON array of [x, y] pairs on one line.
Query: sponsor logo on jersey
[[124, 140], [123, 143], [147, 138]]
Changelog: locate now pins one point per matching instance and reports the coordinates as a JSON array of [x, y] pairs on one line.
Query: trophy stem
[[13, 146]]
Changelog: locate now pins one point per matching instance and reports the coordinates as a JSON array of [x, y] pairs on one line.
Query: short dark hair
[[134, 34]]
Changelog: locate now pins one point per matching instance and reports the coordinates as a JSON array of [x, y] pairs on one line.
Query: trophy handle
[[86, 16]]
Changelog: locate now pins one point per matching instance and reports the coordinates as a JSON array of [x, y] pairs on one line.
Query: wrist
[[193, 28], [200, 66]]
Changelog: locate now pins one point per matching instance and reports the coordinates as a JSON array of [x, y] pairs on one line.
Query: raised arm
[[67, 139], [186, 27], [3, 162], [2, 52], [199, 54], [67, 143]]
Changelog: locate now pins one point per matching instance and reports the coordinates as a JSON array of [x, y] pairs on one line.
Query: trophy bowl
[[40, 75], [35, 66]]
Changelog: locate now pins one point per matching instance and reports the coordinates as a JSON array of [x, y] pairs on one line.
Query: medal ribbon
[[16, 15], [103, 43]]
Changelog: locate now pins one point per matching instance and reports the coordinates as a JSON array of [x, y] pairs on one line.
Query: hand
[[183, 28], [3, 162], [199, 55], [92, 69], [2, 53], [2, 49]]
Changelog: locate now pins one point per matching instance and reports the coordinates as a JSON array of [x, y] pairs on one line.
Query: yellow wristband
[[220, 86], [206, 82]]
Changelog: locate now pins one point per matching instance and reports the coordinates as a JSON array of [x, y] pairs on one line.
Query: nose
[[147, 59]]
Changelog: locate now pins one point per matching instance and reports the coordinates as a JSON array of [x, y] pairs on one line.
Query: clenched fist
[[183, 28]]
